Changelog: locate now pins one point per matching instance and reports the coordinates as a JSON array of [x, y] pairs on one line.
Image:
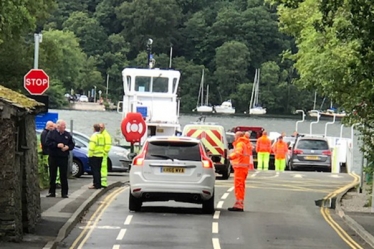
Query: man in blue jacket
[[59, 143]]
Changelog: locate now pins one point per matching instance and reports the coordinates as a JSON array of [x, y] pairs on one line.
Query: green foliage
[[85, 41]]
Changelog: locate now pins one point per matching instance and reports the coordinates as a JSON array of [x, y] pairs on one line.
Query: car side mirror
[[78, 146], [132, 155], [231, 146], [216, 159]]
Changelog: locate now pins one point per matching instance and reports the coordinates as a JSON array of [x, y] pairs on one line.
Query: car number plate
[[172, 170], [312, 158]]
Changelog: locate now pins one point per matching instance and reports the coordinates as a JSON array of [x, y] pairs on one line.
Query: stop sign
[[36, 82]]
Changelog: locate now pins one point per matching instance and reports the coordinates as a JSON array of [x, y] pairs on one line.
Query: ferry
[[153, 93]]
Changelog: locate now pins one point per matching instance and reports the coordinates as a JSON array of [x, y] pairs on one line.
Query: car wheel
[[227, 172], [208, 206], [135, 204], [76, 168], [109, 163]]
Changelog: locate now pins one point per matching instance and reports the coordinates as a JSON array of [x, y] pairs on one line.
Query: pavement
[[59, 216], [362, 223]]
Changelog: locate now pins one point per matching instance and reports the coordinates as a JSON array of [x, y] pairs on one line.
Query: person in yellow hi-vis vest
[[95, 156], [104, 164]]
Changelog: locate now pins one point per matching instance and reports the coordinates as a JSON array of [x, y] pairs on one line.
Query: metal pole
[[71, 152], [37, 38], [314, 122], [372, 194], [149, 50], [171, 54], [329, 123], [341, 130], [107, 85], [362, 165], [300, 121], [95, 94]]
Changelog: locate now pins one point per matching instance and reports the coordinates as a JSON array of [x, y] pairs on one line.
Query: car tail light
[[326, 152], [139, 159], [207, 163], [298, 152]]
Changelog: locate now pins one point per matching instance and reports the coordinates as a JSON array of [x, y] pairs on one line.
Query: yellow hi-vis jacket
[[108, 141], [96, 145]]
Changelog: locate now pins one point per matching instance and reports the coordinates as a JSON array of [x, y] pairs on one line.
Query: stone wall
[[30, 188], [20, 194], [10, 180]]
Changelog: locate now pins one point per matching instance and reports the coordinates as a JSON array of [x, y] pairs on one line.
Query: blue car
[[80, 160]]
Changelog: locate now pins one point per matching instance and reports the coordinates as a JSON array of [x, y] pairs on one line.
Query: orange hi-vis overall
[[240, 160], [280, 152], [263, 149]]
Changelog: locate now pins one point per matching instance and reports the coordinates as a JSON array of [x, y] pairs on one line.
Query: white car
[[173, 168], [83, 98]]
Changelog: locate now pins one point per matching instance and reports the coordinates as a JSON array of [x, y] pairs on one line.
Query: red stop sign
[[36, 82]]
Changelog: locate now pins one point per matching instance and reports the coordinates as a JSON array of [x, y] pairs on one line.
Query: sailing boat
[[331, 112], [203, 107], [254, 107], [314, 113]]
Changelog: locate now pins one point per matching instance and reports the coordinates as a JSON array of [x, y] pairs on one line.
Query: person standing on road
[[95, 155], [280, 152], [250, 149], [104, 164], [59, 143], [263, 149], [240, 161]]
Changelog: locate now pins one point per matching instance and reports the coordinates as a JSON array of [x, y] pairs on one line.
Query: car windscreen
[[312, 144], [161, 150]]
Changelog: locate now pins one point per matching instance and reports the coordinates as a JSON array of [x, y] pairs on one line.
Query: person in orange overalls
[[263, 149], [248, 135], [280, 152], [240, 160]]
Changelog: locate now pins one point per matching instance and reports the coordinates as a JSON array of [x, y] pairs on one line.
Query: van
[[214, 139]]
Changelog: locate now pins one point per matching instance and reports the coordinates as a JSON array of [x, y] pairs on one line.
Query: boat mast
[[315, 100], [253, 91]]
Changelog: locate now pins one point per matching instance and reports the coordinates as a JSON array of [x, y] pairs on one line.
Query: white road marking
[[224, 196], [336, 176], [216, 244], [121, 234], [216, 215], [230, 189], [298, 176], [220, 204], [215, 227], [101, 227], [128, 220], [115, 247]]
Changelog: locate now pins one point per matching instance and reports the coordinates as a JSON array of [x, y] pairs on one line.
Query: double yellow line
[[326, 215], [87, 230]]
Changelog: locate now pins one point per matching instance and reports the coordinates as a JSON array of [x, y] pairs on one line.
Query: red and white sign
[[133, 127], [36, 82]]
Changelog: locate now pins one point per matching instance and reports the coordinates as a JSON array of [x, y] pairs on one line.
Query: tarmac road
[[280, 212]]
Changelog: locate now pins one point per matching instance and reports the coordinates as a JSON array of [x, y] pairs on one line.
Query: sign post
[[36, 82]]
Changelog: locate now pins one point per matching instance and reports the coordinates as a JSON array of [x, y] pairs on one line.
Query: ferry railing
[[329, 123], [302, 119], [314, 122]]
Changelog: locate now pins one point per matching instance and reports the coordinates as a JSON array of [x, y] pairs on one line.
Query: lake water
[[84, 120]]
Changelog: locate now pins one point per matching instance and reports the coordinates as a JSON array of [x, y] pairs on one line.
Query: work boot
[[235, 209]]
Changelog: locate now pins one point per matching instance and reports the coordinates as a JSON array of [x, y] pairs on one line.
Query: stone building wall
[[19, 188], [30, 186], [10, 180]]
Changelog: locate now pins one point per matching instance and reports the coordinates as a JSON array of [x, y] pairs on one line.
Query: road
[[280, 212]]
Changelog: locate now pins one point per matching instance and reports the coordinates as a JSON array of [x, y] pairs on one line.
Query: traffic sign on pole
[[36, 82]]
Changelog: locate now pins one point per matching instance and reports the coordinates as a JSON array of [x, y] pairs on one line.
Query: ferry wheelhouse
[[153, 93]]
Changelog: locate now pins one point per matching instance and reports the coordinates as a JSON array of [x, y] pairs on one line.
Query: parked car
[[310, 153], [83, 98], [118, 160], [79, 159], [173, 168]]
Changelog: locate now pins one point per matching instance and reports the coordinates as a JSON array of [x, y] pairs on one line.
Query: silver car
[[118, 160], [310, 153], [173, 168]]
